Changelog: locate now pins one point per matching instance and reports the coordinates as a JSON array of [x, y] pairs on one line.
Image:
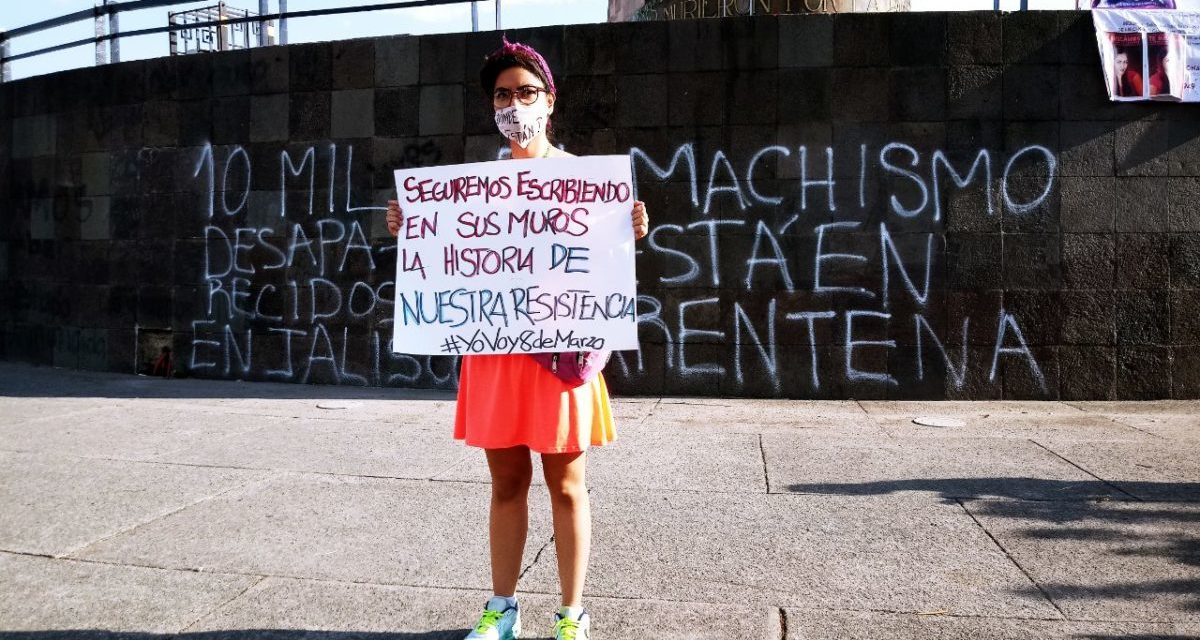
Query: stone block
[[643, 102], [1087, 373], [1090, 204], [1143, 373], [269, 117], [1143, 318], [33, 136], [1088, 260], [973, 262], [1141, 149], [1087, 149], [231, 120], [353, 64], [1031, 92], [310, 67], [695, 45], [309, 115], [1077, 38], [858, 94], [1183, 214], [94, 218], [805, 41], [41, 219], [1031, 37], [974, 37], [654, 49], [917, 93], [1089, 318], [589, 103], [750, 42], [1032, 261], [860, 40], [1185, 377], [1183, 148], [443, 58], [353, 113], [396, 111], [232, 73], [197, 125], [753, 99], [1185, 260], [697, 98], [587, 49], [397, 61], [919, 39], [161, 123], [193, 77], [974, 92], [1039, 314], [1185, 317], [270, 70], [1142, 261], [441, 109]]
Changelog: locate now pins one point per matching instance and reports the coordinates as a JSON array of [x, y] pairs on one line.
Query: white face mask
[[522, 123]]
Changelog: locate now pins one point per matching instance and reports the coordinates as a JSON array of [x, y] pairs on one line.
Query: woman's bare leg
[[572, 520], [512, 471]]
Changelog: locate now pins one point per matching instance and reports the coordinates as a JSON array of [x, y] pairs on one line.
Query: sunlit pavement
[[146, 508]]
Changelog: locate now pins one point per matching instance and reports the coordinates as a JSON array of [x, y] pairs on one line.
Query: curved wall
[[867, 206]]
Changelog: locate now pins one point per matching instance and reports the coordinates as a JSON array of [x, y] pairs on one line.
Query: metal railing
[[108, 33]]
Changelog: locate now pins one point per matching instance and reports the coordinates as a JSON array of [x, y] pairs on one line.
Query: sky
[[441, 19]]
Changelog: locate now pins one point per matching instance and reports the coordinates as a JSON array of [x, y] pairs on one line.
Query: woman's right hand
[[394, 217]]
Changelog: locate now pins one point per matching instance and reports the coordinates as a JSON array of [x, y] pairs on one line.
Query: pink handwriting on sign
[[420, 226], [457, 189]]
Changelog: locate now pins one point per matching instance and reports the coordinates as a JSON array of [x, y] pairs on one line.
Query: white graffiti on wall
[[312, 284]]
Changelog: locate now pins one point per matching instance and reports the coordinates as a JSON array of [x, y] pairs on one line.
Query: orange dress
[[511, 400]]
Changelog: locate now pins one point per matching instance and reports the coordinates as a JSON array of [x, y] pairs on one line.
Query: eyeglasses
[[525, 94]]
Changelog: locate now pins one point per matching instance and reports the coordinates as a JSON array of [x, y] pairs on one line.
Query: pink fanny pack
[[575, 368]]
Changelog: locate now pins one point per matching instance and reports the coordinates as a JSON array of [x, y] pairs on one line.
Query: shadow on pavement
[[1125, 529]]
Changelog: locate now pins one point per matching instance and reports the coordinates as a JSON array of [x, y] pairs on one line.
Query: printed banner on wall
[[1149, 54], [516, 256]]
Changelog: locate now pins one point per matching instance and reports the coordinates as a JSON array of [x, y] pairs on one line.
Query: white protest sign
[[516, 256]]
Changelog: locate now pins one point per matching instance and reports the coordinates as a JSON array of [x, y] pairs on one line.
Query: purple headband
[[524, 49]]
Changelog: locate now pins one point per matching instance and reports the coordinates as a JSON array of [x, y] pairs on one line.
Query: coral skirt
[[511, 400]]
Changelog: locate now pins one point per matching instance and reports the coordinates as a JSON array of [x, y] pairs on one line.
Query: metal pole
[[474, 16], [283, 22], [498, 27], [263, 9], [101, 45], [114, 27], [1024, 5], [4, 72]]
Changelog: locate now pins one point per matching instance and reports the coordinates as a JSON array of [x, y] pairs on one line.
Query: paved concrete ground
[[146, 508]]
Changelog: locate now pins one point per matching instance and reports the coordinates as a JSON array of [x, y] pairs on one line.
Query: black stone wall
[[867, 206]]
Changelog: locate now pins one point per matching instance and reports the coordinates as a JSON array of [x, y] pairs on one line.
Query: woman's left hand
[[641, 221]]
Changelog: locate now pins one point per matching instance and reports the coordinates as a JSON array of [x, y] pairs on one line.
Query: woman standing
[[509, 404]]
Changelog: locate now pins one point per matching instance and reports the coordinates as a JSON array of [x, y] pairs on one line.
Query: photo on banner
[[516, 256], [1149, 54]]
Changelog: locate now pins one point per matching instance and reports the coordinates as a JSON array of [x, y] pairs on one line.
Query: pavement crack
[[1011, 559], [1072, 463], [238, 487], [783, 630], [537, 556], [763, 453], [223, 604]]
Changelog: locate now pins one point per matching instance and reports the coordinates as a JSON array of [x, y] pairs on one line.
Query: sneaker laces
[[566, 628], [489, 620]]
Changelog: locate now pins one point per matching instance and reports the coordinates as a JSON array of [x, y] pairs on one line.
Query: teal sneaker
[[498, 622], [571, 629]]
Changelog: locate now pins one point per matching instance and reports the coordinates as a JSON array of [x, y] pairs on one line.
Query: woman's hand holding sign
[[394, 217], [641, 221]]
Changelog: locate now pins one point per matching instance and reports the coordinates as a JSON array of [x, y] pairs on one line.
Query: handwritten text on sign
[[516, 256]]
